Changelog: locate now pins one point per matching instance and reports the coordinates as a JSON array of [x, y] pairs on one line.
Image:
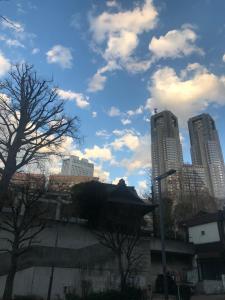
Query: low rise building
[[74, 166], [207, 232], [63, 183]]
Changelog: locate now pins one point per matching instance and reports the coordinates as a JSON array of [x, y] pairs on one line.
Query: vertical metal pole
[[162, 235], [53, 267]]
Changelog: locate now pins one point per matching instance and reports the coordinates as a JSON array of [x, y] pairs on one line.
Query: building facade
[[166, 147], [207, 233], [73, 166], [206, 151]]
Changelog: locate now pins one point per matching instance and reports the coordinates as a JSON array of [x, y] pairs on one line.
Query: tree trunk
[[6, 177], [10, 281], [121, 272]]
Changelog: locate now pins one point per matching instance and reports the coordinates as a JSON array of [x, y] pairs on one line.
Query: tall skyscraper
[[206, 151], [166, 147], [73, 166]]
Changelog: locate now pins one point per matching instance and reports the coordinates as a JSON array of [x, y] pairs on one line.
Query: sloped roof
[[126, 195], [204, 218]]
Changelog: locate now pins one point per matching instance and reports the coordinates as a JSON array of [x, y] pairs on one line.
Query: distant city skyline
[[113, 73]]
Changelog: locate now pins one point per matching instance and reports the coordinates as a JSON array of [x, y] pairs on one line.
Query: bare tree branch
[[33, 124]]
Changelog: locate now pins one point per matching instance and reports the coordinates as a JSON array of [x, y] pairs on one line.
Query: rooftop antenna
[[155, 110]]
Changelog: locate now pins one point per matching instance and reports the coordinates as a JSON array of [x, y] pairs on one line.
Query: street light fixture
[[162, 231]]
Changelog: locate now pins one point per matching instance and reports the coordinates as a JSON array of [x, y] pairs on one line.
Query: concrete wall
[[79, 259], [205, 233], [210, 287]]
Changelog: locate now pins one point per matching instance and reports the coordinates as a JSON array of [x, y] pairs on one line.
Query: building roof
[[204, 218], [122, 194]]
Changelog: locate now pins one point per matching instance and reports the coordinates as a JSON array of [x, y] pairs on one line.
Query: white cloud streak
[[80, 100]]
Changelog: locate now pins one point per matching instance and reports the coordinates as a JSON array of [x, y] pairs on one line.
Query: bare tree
[[24, 220], [193, 197], [122, 240], [32, 122]]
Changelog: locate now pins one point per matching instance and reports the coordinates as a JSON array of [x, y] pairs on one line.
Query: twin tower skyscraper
[[207, 159]]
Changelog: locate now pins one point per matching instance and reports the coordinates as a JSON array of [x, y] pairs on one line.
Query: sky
[[114, 62]]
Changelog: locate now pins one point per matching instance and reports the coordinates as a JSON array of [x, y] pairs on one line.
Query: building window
[[203, 232]]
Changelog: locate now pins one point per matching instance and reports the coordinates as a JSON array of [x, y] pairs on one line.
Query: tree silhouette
[[32, 122], [24, 220]]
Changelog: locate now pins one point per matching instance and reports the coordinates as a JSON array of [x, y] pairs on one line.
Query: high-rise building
[[206, 151], [166, 147], [73, 166]]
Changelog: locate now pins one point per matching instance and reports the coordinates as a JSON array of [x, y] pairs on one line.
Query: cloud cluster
[[141, 157], [80, 100], [60, 55], [129, 140], [125, 116], [187, 93], [4, 65], [175, 43], [119, 33]]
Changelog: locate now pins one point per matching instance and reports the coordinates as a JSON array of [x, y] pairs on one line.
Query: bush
[[27, 297], [128, 294], [72, 297]]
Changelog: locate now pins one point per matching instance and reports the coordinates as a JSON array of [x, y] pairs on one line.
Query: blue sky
[[114, 62]]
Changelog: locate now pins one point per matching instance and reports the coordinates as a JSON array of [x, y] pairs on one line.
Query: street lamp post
[[162, 230]]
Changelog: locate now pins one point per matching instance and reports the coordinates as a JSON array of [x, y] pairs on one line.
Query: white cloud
[[35, 50], [136, 66], [120, 132], [13, 25], [138, 20], [97, 82], [11, 42], [188, 93], [103, 133], [125, 121], [101, 174], [121, 46], [224, 57], [128, 140], [142, 185], [94, 114], [120, 31], [4, 65], [60, 55], [14, 43], [114, 112], [112, 3], [175, 43], [80, 100], [141, 158], [137, 111], [101, 153]]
